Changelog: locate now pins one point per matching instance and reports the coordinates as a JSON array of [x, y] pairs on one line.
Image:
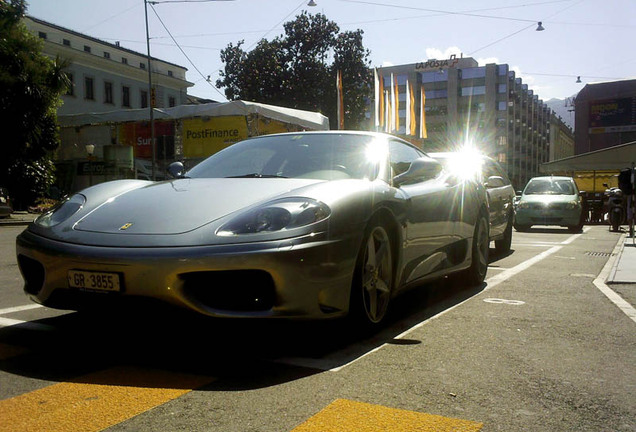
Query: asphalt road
[[537, 348]]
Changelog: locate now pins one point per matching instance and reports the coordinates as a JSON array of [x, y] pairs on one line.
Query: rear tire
[[373, 278], [503, 246]]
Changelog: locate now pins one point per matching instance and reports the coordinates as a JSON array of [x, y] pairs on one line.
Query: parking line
[[19, 308], [490, 283], [8, 322], [96, 401], [345, 415]]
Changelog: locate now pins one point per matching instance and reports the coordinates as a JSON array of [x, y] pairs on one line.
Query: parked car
[[550, 200], [5, 203], [501, 194], [298, 225]]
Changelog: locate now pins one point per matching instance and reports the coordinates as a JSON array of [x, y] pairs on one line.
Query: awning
[[306, 119], [613, 158]]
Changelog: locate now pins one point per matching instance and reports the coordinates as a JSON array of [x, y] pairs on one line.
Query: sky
[[593, 39]]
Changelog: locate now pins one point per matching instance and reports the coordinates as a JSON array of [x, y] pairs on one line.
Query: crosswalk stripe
[[345, 415], [96, 401]]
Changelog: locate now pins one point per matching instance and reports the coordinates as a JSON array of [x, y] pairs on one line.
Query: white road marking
[[8, 322], [327, 364], [19, 308], [504, 301], [599, 282]]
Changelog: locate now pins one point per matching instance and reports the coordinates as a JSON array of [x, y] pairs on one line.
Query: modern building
[[107, 77], [605, 115], [485, 105]]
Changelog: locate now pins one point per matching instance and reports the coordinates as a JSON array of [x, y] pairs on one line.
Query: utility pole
[[150, 98]]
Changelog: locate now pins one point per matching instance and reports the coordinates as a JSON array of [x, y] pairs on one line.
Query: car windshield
[[303, 155], [550, 187]]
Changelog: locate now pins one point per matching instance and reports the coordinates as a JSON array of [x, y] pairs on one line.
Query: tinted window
[[401, 155]]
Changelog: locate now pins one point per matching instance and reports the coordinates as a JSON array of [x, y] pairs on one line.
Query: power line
[[182, 51]]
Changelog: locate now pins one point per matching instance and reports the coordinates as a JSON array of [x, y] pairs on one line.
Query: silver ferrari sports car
[[298, 225]]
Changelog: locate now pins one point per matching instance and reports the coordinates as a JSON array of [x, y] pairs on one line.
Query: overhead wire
[[182, 51]]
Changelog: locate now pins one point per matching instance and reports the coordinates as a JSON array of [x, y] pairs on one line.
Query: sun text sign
[[205, 136]]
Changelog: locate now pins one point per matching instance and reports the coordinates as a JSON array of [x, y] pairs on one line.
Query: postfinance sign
[[203, 137]]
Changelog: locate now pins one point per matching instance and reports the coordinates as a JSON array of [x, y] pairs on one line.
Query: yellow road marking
[[96, 401], [345, 416]]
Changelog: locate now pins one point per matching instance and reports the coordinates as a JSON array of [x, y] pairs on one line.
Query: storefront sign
[[613, 114], [205, 136], [138, 136], [436, 64]]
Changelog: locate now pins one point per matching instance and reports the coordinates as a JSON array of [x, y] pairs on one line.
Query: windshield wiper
[[257, 175]]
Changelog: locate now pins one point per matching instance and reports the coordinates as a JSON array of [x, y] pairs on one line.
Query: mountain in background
[[563, 108]]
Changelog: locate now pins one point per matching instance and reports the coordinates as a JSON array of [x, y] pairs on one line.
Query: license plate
[[100, 281]]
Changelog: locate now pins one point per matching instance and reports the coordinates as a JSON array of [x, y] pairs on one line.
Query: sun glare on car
[[467, 163]]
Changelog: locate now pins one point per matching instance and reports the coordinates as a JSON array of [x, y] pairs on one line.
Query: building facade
[[486, 106], [107, 77], [605, 115]]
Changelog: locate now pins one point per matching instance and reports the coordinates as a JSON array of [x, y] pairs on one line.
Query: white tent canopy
[[613, 158], [307, 119]]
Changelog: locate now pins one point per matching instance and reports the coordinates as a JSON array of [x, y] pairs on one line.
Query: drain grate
[[598, 254]]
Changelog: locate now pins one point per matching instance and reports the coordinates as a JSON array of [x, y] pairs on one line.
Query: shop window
[[108, 92], [144, 98], [89, 90], [125, 96]]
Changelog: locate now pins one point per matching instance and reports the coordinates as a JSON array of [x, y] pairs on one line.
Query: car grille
[[549, 206], [231, 290]]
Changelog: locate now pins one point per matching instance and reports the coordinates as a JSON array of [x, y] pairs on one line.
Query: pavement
[[623, 271]]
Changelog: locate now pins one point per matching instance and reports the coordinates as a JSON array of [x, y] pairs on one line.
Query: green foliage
[[298, 70], [30, 89]]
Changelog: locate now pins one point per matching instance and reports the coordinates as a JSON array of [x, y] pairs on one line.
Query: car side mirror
[[420, 169], [176, 170], [519, 193], [494, 182]]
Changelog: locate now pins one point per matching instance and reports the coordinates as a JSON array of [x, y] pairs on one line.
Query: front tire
[[373, 278], [476, 273]]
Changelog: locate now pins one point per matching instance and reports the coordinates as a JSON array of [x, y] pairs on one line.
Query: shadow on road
[[240, 354]]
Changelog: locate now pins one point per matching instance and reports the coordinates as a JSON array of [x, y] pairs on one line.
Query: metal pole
[[152, 120]]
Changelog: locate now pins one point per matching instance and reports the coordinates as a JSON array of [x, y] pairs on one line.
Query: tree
[[30, 89], [298, 70]]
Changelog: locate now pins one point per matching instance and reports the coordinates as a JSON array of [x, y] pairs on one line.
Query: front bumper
[[561, 217], [307, 277]]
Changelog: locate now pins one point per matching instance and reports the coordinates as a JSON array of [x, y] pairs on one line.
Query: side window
[[401, 156], [492, 168]]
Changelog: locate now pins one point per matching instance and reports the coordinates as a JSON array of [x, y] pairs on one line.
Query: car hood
[[181, 205]]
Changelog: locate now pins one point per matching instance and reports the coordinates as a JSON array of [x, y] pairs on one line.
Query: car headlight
[[62, 211], [572, 205], [277, 216], [523, 205]]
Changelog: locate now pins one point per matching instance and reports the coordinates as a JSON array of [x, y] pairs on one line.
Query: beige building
[[106, 76]]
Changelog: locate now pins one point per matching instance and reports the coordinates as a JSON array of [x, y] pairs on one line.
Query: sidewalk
[[624, 270], [18, 218]]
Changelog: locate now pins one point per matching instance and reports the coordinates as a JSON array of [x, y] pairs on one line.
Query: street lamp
[[90, 149]]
